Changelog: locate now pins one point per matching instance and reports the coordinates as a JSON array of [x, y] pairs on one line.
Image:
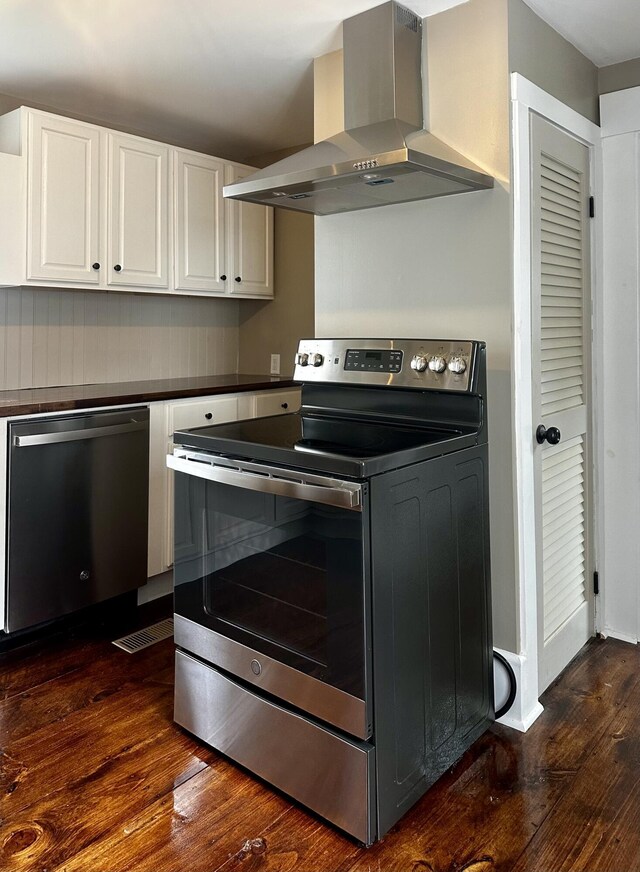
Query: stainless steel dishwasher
[[77, 512]]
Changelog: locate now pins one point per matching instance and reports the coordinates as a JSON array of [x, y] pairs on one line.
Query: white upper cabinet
[[138, 206], [86, 207], [250, 243], [199, 223], [63, 210]]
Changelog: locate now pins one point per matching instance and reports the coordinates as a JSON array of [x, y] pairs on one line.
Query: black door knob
[[238, 279], [208, 415], [117, 267], [223, 278], [552, 435], [95, 265], [284, 405]]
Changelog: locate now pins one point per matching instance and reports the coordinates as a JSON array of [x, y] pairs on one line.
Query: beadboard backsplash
[[54, 337]]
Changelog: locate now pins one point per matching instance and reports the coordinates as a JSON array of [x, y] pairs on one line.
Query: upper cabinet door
[[200, 238], [251, 248], [63, 200], [138, 206]]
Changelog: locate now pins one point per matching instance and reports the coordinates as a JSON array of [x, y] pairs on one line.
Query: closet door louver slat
[[563, 533], [562, 289]]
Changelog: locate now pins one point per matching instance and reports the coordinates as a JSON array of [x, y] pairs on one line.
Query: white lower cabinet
[[165, 419], [276, 402], [264, 403], [183, 415]]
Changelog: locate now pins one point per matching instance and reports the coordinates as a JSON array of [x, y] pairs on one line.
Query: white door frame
[[527, 98]]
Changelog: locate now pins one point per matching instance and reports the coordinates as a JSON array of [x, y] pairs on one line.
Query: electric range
[[332, 599]]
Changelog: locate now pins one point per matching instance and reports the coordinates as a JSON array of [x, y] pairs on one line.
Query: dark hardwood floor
[[94, 777]]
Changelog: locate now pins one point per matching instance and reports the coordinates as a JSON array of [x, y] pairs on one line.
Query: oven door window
[[280, 575]]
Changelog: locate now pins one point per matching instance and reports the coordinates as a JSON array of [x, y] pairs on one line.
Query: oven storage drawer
[[330, 774]]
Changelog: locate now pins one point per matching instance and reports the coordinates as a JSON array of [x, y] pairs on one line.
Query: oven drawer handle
[[334, 493]]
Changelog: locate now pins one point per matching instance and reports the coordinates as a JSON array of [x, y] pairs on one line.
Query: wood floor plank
[[85, 742], [295, 841], [23, 669], [597, 825], [94, 777], [64, 822], [23, 713], [199, 827]]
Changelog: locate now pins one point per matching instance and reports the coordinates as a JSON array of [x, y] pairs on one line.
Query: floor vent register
[[143, 638]]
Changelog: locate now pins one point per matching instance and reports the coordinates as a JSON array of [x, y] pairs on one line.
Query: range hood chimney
[[384, 155]]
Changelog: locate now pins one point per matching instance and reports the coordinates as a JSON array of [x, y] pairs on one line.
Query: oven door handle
[[312, 488]]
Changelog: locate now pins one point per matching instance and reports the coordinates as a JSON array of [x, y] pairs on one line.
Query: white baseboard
[[616, 634], [526, 708], [156, 586]]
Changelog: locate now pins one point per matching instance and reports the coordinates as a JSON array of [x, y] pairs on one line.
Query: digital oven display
[[373, 360]]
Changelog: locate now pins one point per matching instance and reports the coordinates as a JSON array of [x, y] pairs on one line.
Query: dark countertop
[[60, 399]]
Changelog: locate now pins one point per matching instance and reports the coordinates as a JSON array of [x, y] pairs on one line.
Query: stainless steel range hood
[[384, 155]]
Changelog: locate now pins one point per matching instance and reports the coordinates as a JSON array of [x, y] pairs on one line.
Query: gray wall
[[617, 77], [544, 57], [442, 267], [275, 327]]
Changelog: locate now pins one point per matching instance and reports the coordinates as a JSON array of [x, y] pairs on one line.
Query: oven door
[[271, 582]]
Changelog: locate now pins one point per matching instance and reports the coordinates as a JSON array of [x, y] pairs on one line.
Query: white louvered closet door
[[561, 344]]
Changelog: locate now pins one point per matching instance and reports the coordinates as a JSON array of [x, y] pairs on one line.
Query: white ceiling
[[230, 76], [606, 31], [233, 77]]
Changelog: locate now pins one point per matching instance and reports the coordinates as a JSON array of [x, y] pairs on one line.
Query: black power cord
[[504, 708]]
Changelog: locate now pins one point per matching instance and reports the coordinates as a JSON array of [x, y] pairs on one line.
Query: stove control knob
[[419, 363], [316, 359], [302, 359], [457, 365], [437, 364]]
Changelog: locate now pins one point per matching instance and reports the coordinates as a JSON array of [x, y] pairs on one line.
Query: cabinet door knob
[[117, 267], [95, 265], [208, 415], [238, 279], [284, 405], [223, 278]]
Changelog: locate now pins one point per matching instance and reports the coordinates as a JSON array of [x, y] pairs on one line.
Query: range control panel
[[373, 360], [437, 364]]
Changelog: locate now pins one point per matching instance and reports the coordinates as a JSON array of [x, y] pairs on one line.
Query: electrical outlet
[[275, 364]]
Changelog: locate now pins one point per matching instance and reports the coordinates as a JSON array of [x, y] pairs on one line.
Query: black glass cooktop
[[341, 446]]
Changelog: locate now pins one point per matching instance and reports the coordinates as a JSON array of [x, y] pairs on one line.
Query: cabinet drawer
[[200, 413], [277, 402]]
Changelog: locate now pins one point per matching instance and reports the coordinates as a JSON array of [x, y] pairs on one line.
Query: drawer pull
[[284, 405], [208, 415]]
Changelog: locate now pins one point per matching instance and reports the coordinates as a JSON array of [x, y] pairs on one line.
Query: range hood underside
[[348, 172]]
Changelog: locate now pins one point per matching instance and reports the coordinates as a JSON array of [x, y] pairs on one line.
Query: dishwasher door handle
[[251, 476], [78, 435]]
